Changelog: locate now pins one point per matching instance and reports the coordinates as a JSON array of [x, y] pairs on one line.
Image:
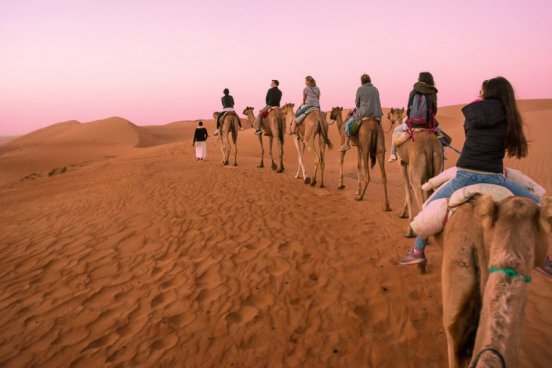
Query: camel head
[[517, 226], [248, 112], [336, 111], [216, 115], [287, 110], [395, 115]]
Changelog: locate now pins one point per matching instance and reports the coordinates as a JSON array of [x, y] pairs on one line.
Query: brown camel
[[272, 126], [228, 125], [313, 124], [421, 159], [395, 116], [489, 250], [370, 143]]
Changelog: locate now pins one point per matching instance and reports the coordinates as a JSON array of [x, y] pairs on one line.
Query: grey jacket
[[368, 101]]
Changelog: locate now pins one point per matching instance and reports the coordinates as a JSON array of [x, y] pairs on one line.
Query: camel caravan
[[492, 223]]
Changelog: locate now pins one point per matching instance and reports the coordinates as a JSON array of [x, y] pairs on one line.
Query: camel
[[370, 143], [229, 124], [489, 250], [273, 125], [421, 159], [314, 124], [395, 116]]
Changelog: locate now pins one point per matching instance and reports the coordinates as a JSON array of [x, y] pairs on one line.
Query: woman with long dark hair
[[493, 128]]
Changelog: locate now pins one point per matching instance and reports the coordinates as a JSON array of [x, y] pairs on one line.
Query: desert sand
[[119, 249]]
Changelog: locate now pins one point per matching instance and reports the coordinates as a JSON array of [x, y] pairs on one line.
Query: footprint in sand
[[244, 315]]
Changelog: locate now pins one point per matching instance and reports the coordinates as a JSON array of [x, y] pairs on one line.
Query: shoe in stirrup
[[217, 132], [258, 131], [413, 257], [344, 148], [393, 157], [546, 267]]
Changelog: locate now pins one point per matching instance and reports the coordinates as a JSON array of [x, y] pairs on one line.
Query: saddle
[[434, 216], [356, 124], [399, 138], [265, 114], [300, 118]]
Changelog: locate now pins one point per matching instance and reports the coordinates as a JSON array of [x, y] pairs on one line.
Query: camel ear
[[487, 210], [402, 110], [545, 222], [546, 214]]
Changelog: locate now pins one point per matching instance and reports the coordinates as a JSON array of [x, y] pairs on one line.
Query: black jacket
[[273, 96], [485, 129], [200, 135], [227, 101]]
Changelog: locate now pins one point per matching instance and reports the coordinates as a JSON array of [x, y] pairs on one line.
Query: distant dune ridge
[[119, 249]]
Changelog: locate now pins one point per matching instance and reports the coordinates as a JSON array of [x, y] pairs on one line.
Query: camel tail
[[234, 127], [324, 133], [373, 147], [281, 128]]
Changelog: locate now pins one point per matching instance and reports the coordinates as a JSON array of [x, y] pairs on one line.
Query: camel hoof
[[225, 163], [358, 198], [235, 164], [341, 186], [274, 167], [410, 234], [322, 186], [313, 183], [280, 171], [260, 166], [387, 209], [403, 215], [307, 180]]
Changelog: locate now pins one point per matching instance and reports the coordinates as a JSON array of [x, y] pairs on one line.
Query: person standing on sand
[[273, 98], [200, 138]]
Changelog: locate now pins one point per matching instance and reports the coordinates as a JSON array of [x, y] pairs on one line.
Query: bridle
[[494, 351]]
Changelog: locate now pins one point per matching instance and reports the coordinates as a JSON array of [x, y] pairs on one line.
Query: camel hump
[[433, 217]]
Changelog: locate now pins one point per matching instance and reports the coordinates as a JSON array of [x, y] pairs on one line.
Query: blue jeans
[[302, 110], [465, 178]]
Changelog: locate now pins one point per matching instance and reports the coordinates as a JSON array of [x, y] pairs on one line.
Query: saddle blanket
[[433, 217], [265, 114], [300, 118]]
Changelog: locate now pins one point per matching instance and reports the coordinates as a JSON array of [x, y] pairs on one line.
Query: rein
[[510, 272], [494, 351]]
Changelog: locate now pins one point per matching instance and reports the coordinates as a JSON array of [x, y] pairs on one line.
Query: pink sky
[[154, 62]]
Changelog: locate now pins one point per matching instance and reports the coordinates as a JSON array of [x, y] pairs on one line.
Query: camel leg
[[416, 181], [300, 147], [281, 155], [409, 200], [261, 164], [341, 159], [226, 149], [235, 151], [359, 171], [404, 212], [381, 162], [270, 153], [461, 298], [366, 164], [322, 145]]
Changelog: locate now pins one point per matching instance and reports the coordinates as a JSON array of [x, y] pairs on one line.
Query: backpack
[[421, 111]]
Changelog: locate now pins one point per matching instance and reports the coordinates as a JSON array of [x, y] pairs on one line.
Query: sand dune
[[140, 256]]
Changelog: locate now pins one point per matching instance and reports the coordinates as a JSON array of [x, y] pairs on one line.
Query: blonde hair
[[312, 82]]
